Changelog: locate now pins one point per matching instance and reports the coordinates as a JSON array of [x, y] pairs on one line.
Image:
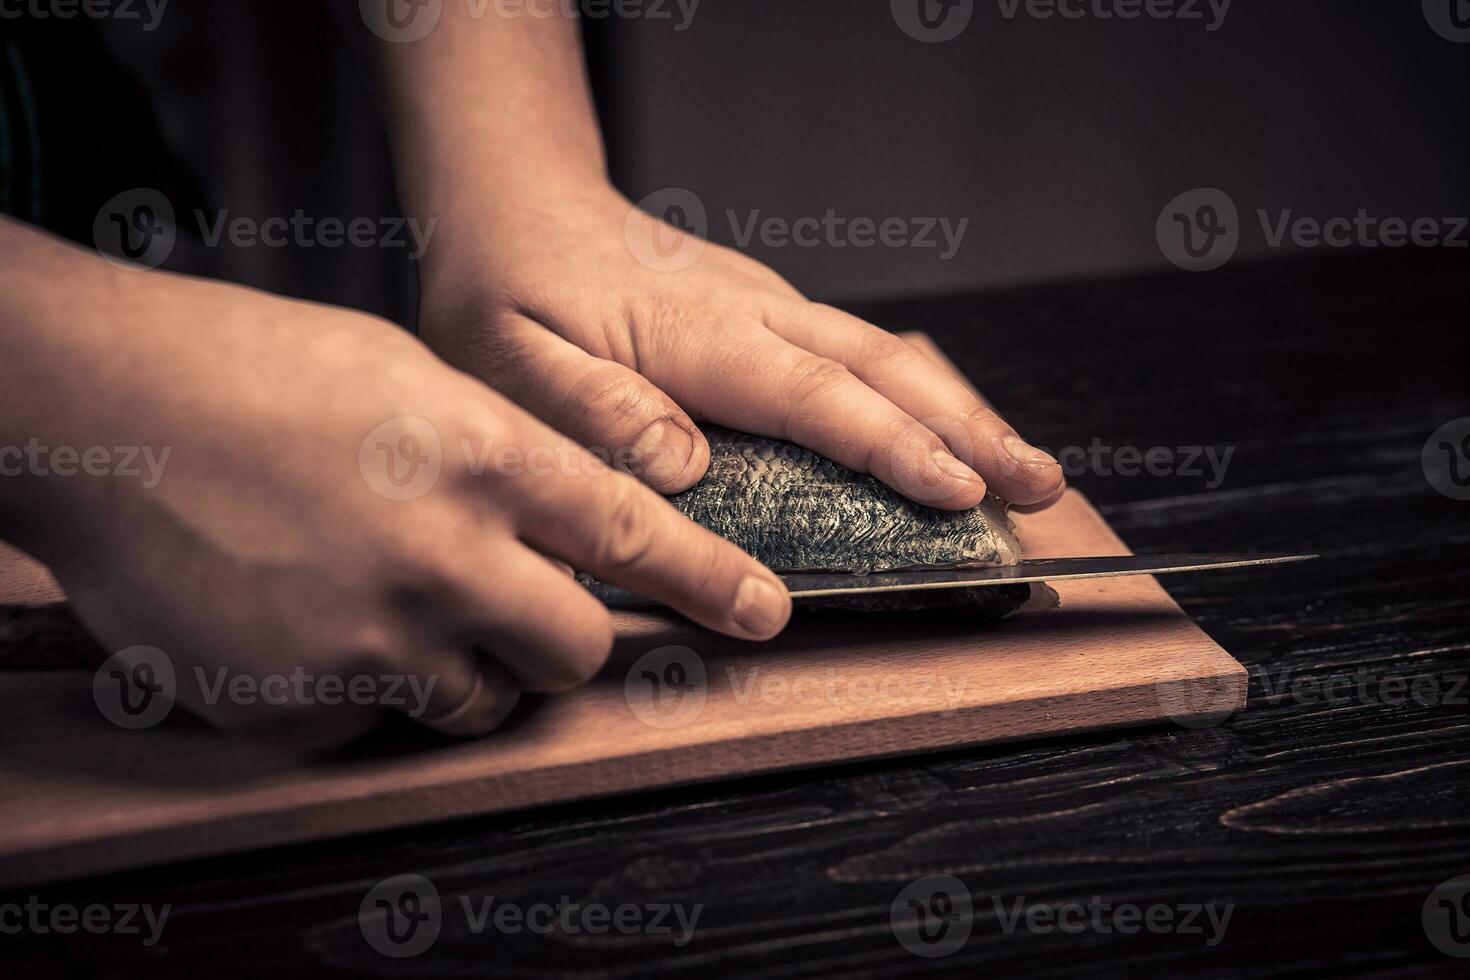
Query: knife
[[812, 585]]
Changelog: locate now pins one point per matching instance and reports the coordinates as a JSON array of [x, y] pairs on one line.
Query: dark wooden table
[[1323, 816]]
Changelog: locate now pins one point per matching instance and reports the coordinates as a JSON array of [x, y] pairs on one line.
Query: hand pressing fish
[[797, 511]]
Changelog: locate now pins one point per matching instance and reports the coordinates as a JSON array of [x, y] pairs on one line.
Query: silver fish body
[[797, 511]]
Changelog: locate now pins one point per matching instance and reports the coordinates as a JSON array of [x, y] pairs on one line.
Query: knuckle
[[610, 398], [627, 533], [814, 377], [982, 416], [879, 348]]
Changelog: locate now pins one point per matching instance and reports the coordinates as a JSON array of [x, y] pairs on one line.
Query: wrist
[[489, 232]]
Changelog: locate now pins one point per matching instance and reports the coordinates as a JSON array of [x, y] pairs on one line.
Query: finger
[[530, 616], [460, 693], [603, 405], [761, 383], [930, 392], [609, 525]]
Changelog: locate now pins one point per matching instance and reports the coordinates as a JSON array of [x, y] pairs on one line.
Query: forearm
[[52, 350], [486, 113]]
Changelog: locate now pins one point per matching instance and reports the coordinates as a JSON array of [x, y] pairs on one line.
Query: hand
[[271, 542], [548, 301]]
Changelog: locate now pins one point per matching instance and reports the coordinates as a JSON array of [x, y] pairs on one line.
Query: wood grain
[[1324, 821], [83, 796]]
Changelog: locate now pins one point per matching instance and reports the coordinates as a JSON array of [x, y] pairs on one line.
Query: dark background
[[1060, 140]]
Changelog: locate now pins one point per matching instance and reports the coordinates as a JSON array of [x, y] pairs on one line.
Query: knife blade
[[814, 584], [811, 585]]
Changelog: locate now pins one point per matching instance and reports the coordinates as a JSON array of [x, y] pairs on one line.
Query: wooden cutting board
[[675, 705]]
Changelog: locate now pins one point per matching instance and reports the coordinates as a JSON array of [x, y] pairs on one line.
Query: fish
[[797, 511]]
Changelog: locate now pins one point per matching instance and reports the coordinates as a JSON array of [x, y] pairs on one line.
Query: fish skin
[[797, 511]]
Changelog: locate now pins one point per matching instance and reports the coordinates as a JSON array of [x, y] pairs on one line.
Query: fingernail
[[760, 607], [661, 453], [1023, 452], [952, 467]]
